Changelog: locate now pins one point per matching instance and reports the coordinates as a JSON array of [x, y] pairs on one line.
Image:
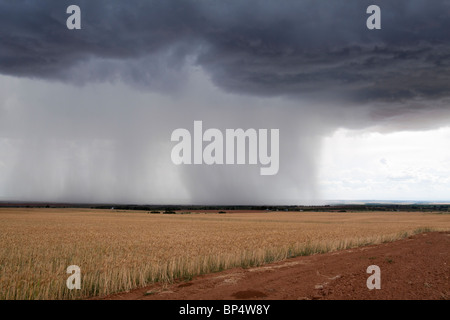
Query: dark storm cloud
[[136, 41], [265, 47], [305, 47]]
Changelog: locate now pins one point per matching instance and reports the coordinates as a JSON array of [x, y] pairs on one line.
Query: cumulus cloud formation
[[306, 67]]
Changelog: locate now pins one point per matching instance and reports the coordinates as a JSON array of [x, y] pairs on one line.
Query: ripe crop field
[[121, 250]]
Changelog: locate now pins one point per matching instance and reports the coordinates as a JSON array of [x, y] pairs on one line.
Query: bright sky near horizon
[[407, 165]]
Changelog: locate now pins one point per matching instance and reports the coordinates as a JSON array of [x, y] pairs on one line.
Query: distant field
[[121, 250]]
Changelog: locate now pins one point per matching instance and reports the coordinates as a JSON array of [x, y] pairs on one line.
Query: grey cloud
[[255, 47]]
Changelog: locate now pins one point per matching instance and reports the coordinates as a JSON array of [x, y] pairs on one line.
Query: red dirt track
[[415, 268]]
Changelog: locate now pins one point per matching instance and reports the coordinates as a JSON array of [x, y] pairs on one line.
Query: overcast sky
[[86, 115]]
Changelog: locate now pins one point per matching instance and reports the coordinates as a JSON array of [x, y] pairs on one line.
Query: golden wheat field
[[121, 250]]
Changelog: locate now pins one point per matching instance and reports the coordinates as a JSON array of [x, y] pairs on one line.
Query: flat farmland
[[123, 250]]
